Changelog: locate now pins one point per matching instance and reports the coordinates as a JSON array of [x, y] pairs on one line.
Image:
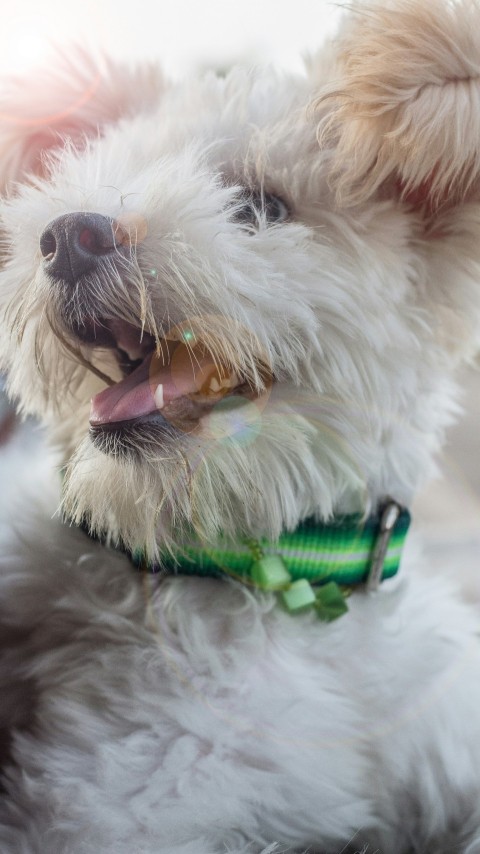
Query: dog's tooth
[[132, 353], [217, 385], [231, 381], [158, 396]]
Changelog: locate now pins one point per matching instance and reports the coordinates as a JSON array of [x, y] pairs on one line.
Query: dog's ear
[[400, 114], [72, 100], [403, 107]]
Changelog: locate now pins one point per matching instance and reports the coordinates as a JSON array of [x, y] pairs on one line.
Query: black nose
[[72, 245]]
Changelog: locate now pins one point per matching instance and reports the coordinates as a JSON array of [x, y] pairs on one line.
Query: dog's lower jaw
[[136, 437]]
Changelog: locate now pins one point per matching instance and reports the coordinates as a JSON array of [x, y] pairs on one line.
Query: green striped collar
[[314, 566]]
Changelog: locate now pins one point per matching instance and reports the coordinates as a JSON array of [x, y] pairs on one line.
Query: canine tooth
[[158, 396], [214, 385]]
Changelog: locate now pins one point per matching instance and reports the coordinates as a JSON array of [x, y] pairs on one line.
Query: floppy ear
[[404, 103], [73, 100], [400, 114]]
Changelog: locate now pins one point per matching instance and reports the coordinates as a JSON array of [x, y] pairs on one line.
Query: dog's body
[[153, 720], [317, 241]]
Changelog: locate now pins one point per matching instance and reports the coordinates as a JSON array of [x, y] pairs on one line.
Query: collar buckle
[[388, 519]]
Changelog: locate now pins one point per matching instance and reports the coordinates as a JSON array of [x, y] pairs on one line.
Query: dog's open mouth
[[176, 379]]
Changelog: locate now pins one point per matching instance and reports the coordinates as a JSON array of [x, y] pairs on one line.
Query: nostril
[[96, 242], [48, 245], [75, 244]]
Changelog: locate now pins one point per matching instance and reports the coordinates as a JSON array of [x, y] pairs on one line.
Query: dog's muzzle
[[73, 245]]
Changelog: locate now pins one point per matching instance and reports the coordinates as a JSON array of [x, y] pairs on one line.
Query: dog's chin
[[136, 438]]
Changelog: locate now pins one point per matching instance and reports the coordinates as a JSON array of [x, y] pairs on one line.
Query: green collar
[[314, 566]]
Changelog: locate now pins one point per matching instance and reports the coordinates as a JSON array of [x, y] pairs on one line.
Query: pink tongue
[[153, 385], [135, 395], [130, 398]]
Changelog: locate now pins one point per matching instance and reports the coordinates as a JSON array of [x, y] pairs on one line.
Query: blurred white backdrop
[[182, 34]]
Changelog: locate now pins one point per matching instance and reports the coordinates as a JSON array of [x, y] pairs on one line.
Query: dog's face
[[215, 332]]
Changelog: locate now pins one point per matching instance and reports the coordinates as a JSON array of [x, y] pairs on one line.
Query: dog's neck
[[317, 565]]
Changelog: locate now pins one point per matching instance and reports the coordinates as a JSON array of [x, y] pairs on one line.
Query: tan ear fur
[[404, 104], [74, 99]]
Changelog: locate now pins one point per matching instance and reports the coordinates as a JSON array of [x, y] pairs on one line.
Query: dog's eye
[[258, 207]]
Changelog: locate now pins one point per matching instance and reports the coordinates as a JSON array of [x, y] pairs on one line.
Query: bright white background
[[183, 34]]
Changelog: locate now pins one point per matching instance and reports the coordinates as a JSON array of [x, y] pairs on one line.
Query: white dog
[[237, 304]]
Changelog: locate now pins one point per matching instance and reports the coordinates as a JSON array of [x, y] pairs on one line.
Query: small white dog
[[237, 304]]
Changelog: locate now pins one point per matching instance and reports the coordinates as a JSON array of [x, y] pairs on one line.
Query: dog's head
[[236, 300]]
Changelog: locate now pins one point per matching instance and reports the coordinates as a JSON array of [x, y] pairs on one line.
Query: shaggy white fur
[[317, 239]]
